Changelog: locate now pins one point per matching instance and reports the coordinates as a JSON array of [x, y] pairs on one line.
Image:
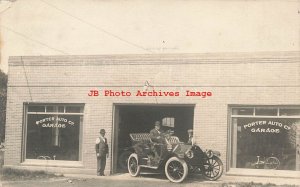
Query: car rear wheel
[[213, 168], [176, 169], [133, 166]]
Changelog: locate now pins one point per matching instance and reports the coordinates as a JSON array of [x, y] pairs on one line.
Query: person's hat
[[190, 131], [102, 131], [157, 123]]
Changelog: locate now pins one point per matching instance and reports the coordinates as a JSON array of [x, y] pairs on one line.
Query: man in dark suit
[[157, 137], [156, 133], [102, 152]]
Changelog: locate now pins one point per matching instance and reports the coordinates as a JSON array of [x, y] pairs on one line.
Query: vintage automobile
[[175, 158]]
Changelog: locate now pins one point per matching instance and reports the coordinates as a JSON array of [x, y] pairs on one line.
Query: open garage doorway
[[140, 119]]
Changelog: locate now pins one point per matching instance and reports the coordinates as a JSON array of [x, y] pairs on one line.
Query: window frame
[[262, 116], [232, 135], [24, 160], [169, 121]]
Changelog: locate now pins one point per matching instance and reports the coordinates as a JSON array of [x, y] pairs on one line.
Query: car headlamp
[[189, 154], [209, 153]]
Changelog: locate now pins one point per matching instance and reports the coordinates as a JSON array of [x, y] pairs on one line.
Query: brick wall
[[246, 79]]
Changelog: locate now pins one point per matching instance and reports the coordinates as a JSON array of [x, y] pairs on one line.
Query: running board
[[151, 167]]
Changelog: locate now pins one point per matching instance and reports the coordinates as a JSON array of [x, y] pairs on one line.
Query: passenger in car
[[191, 136]]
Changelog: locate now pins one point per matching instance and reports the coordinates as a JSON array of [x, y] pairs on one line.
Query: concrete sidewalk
[[225, 179]]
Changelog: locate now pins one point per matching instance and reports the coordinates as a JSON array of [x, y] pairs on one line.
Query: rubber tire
[[134, 156], [185, 169], [217, 159]]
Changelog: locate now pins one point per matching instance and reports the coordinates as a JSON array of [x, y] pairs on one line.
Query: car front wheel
[[176, 169], [133, 166], [213, 168]]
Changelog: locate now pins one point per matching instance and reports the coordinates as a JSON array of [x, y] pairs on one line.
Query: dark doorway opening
[[141, 118]]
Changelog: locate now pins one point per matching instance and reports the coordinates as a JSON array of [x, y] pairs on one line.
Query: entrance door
[[140, 119]]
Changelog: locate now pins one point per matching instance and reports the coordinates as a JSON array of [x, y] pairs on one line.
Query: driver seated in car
[[157, 137], [156, 134]]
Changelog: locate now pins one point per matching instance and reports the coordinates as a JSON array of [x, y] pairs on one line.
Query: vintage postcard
[[132, 93]]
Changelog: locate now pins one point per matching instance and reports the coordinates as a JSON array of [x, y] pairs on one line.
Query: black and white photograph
[[149, 93]]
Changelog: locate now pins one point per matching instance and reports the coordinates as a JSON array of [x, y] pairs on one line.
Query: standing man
[[102, 152]]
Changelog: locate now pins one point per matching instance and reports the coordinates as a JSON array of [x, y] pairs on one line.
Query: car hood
[[181, 148]]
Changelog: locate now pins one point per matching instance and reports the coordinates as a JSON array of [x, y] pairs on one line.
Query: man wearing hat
[[156, 133], [102, 152], [156, 136]]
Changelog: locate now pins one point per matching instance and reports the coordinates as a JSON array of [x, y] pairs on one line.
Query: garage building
[[242, 104]]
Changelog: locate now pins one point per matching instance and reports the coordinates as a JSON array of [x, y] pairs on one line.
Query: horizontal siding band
[[154, 59]]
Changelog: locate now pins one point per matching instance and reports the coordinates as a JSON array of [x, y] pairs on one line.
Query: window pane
[[266, 112], [53, 137], [260, 142], [168, 121], [49, 108], [73, 109], [242, 111], [61, 109], [36, 108], [289, 112]]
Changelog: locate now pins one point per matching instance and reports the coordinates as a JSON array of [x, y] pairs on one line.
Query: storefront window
[[268, 142], [52, 133]]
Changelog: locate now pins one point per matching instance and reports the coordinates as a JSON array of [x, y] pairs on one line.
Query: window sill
[[52, 163], [263, 173]]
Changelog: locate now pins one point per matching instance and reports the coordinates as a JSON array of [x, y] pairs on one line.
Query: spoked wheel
[[213, 168], [176, 169], [272, 163], [133, 167]]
